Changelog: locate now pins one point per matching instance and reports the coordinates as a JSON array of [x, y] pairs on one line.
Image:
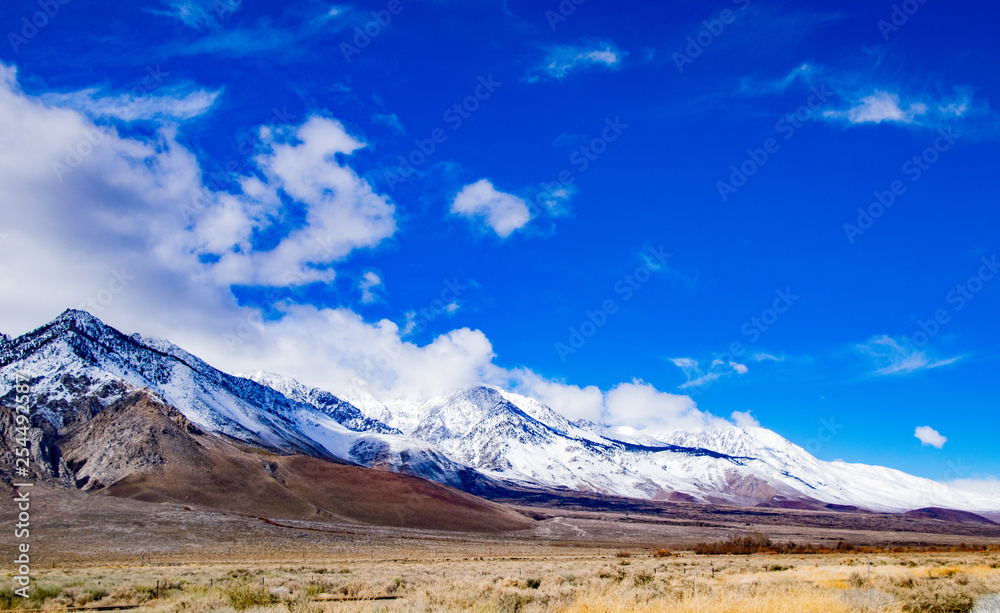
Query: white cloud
[[853, 98], [878, 107], [635, 404], [504, 213], [101, 202], [369, 281], [930, 436], [739, 368], [895, 357], [171, 103], [640, 404], [561, 60], [138, 210], [389, 120], [697, 376], [199, 14], [987, 485], [744, 419]]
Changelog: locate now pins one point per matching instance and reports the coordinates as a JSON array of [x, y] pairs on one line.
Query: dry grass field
[[576, 582], [98, 551]]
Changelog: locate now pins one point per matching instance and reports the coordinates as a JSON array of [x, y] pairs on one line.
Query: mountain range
[[122, 413]]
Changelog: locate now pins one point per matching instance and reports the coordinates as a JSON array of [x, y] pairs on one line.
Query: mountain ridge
[[469, 439]]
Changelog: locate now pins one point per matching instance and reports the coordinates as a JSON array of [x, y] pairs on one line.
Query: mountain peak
[[77, 316]]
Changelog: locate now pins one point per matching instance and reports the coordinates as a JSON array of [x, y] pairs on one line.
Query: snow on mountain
[[78, 365], [873, 487], [529, 442], [342, 412]]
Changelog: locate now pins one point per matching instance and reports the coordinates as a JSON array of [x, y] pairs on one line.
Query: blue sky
[[569, 199]]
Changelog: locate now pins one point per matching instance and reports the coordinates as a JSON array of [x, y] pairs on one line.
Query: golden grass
[[640, 583], [791, 598]]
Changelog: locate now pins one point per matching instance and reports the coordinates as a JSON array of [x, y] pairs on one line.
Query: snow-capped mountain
[[78, 366], [506, 435]]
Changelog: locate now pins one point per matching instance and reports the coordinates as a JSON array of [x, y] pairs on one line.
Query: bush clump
[[242, 596]]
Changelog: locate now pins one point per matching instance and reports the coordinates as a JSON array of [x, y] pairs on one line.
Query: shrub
[[623, 554], [755, 542], [856, 580], [245, 595], [662, 553], [868, 599]]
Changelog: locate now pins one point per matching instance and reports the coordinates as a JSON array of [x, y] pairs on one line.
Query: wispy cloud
[[391, 121], [698, 376], [892, 107], [875, 96], [175, 103], [561, 60], [279, 41], [930, 436], [199, 14], [898, 357]]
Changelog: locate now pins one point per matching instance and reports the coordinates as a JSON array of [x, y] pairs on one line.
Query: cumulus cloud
[[561, 60], [744, 419], [898, 357], [503, 213], [134, 214], [369, 281], [930, 436], [102, 203], [635, 404]]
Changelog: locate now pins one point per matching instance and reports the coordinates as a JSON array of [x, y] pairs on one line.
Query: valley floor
[[576, 581], [97, 550]]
